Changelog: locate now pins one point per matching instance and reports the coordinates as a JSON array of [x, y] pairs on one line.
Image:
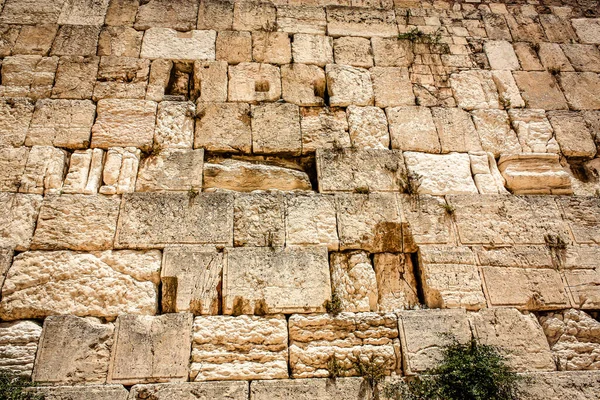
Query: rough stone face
[[501, 55], [580, 90], [6, 255], [303, 84], [75, 77], [312, 49], [540, 90], [76, 40], [121, 41], [572, 134], [353, 281], [234, 47], [583, 285], [316, 338], [31, 11], [519, 334], [85, 172], [392, 87], [323, 127], [587, 29], [355, 21], [17, 221], [120, 170], [563, 385], [276, 129], [18, 345], [311, 220], [92, 392], [396, 282], [12, 166], [475, 89], [121, 12], [123, 123], [215, 14], [254, 16], [456, 130], [392, 52], [151, 349], [44, 170], [180, 16], [121, 78], [171, 170], [583, 57], [223, 127], [83, 13], [158, 80], [170, 44], [244, 347], [259, 220], [304, 389], [508, 91], [101, 284], [15, 116], [412, 128], [271, 47], [73, 350], [580, 213], [174, 124], [441, 173], [28, 76], [198, 390], [534, 131], [553, 58], [427, 221], [353, 51], [493, 128], [210, 81], [301, 19], [150, 220], [254, 83], [368, 128], [270, 281], [534, 173], [348, 86]]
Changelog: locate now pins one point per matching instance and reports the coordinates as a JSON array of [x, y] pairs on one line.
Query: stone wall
[[186, 187]]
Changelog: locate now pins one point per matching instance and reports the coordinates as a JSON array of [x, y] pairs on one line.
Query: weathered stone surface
[[151, 348], [121, 78], [456, 130], [85, 172], [158, 219], [18, 345], [534, 173], [581, 216], [28, 76], [355, 21], [254, 82], [348, 86], [572, 134], [348, 170], [196, 390], [83, 13], [122, 123], [353, 51], [9, 35], [15, 116], [534, 131], [76, 40], [174, 124], [223, 127], [254, 16], [412, 128], [311, 220], [368, 127], [158, 80], [44, 170], [31, 11], [441, 174], [276, 129], [244, 347], [120, 41], [303, 84], [215, 14], [392, 52], [91, 392], [353, 281], [304, 389], [180, 16], [12, 166], [259, 220], [171, 170], [396, 284], [587, 29], [493, 128], [234, 47], [509, 94], [519, 334], [301, 19], [312, 49], [475, 89], [563, 385], [120, 170], [73, 350], [392, 87], [527, 256], [6, 255], [101, 284], [121, 12], [553, 58], [528, 57], [427, 221], [540, 90], [270, 281], [323, 127], [422, 333], [317, 338], [580, 90], [75, 77], [583, 285], [583, 57], [501, 55], [170, 44], [17, 221], [271, 47], [210, 81]]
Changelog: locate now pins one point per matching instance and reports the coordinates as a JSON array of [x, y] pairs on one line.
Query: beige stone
[[527, 57], [12, 166], [83, 13], [120, 41], [85, 172], [171, 170], [534, 173], [174, 124], [349, 85], [392, 52], [276, 129], [92, 392], [456, 130], [121, 78], [158, 219], [587, 29], [509, 94], [121, 12], [581, 90], [323, 127], [557, 27], [28, 76], [18, 345], [301, 19], [353, 281], [44, 171], [353, 51], [190, 391], [581, 385], [36, 39], [355, 21], [271, 47], [180, 16], [223, 127], [15, 116], [100, 284], [572, 134], [311, 220], [303, 84], [427, 221], [312, 49], [234, 47], [501, 55], [239, 348], [254, 82], [73, 350], [583, 57], [6, 255], [31, 12], [534, 131], [122, 123], [495, 133], [412, 128], [269, 280], [553, 58], [583, 285], [396, 284], [475, 89], [170, 44], [120, 170], [522, 256], [368, 127], [160, 74], [210, 81], [76, 40], [540, 90], [441, 174], [392, 87], [581, 215], [9, 35], [304, 389], [215, 14], [254, 16], [75, 78], [18, 220], [315, 339], [259, 220], [151, 349]]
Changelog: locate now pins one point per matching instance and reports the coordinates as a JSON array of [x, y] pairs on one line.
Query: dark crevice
[[414, 258]]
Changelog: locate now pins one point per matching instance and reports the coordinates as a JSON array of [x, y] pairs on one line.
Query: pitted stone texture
[[271, 47], [588, 29], [349, 86], [392, 87], [259, 219], [75, 77], [456, 130], [396, 283], [12, 166], [303, 84], [122, 123], [76, 40], [540, 90], [234, 47], [583, 57], [120, 170], [534, 173], [15, 116], [580, 90], [368, 128], [100, 284], [582, 385], [301, 19], [83, 12], [170, 44], [316, 338], [223, 127], [450, 277], [158, 219], [583, 285], [174, 124], [581, 214], [121, 78], [276, 129], [31, 11], [28, 76], [239, 348], [392, 52], [171, 170], [121, 41], [85, 172], [422, 333], [158, 80], [263, 280], [311, 220], [151, 349], [73, 350], [44, 170], [18, 219], [553, 58], [91, 392], [210, 81], [9, 35], [121, 12], [167, 14], [501, 55], [18, 345], [348, 170], [215, 14], [254, 16], [355, 21], [305, 389], [312, 49], [353, 51], [573, 338], [509, 94], [353, 281], [475, 89], [191, 391], [572, 134], [441, 174], [427, 221], [323, 127], [528, 256], [519, 334], [6, 256], [412, 128], [495, 133], [254, 83], [534, 131]]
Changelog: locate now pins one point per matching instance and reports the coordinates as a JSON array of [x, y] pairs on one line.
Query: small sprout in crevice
[[410, 183], [371, 368], [362, 190], [192, 194], [270, 239], [504, 102], [333, 306], [449, 209], [334, 368], [555, 242]]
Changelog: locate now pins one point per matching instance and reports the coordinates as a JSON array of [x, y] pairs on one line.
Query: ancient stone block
[[501, 55], [28, 76], [180, 16], [234, 47], [392, 87], [212, 390], [31, 11], [301, 19], [557, 28], [540, 90], [18, 345], [215, 14], [572, 134], [587, 29], [6, 255], [441, 173], [496, 26], [312, 49], [392, 52], [553, 58], [210, 81], [456, 130], [121, 12], [12, 166], [8, 37], [412, 128], [583, 285], [85, 172], [151, 348], [519, 334], [76, 40], [353, 51], [160, 75], [348, 85], [493, 128], [427, 221], [254, 82], [174, 125], [301, 389], [73, 350], [368, 127], [581, 215], [534, 173], [583, 57], [100, 284], [15, 116], [527, 57], [475, 89], [223, 127], [18, 220], [310, 220], [534, 131], [353, 281], [580, 90], [170, 44], [258, 220], [122, 123], [355, 21], [171, 170], [158, 219], [75, 78], [563, 385], [276, 129], [92, 392], [323, 128], [422, 335], [396, 284], [44, 171], [269, 281], [120, 170], [236, 348], [303, 84], [508, 91], [271, 47], [36, 39], [315, 339], [254, 16], [120, 41], [121, 78], [83, 13]]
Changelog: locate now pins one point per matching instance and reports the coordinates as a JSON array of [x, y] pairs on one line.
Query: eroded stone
[[441, 173], [18, 346], [171, 170], [122, 123], [18, 220], [169, 44], [353, 281]]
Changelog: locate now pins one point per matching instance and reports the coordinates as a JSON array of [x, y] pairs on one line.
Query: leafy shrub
[[13, 388], [333, 306]]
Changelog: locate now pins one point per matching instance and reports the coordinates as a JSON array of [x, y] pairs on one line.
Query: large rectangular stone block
[[12, 166], [186, 46], [31, 12], [396, 283], [301, 19], [223, 127], [171, 170], [357, 21], [427, 222], [353, 281], [441, 174], [85, 172], [412, 128], [535, 173], [91, 392], [254, 82], [83, 13], [584, 285], [15, 116], [311, 220], [276, 129], [581, 214], [305, 389], [121, 78], [44, 171], [164, 13], [18, 345], [191, 390], [259, 220], [18, 219]]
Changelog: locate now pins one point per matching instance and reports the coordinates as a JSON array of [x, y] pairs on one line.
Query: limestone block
[[353, 51], [215, 14], [441, 173], [312, 49], [527, 256], [271, 47], [61, 123], [75, 78], [534, 131], [6, 255], [347, 170], [396, 284], [369, 222], [534, 173], [170, 44], [304, 389], [581, 90], [496, 26], [151, 349], [44, 171], [540, 90], [174, 125], [412, 128], [423, 333], [583, 57], [316, 338], [301, 19], [210, 81], [12, 166], [35, 39], [122, 123], [91, 392], [121, 78], [31, 12], [392, 87], [8, 37], [588, 29], [100, 284], [501, 55], [581, 215], [171, 170], [572, 134], [276, 129], [368, 127], [121, 12], [263, 280], [581, 385], [18, 219], [73, 350], [85, 172], [392, 52], [254, 16], [254, 82], [83, 13], [303, 84], [120, 41], [495, 133], [160, 75], [450, 277], [353, 281], [191, 391], [583, 285], [557, 27], [427, 221], [258, 220], [348, 86], [15, 116], [355, 21], [323, 128], [76, 40], [18, 345], [519, 334], [456, 130], [234, 47], [528, 57], [120, 170], [28, 76], [158, 219], [553, 58], [239, 348], [508, 91], [180, 16], [475, 89], [223, 127], [311, 220]]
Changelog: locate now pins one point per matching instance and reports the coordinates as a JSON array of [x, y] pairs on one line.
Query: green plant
[[15, 388], [362, 190], [410, 182], [415, 35], [334, 368], [333, 306], [449, 208], [371, 368], [504, 102]]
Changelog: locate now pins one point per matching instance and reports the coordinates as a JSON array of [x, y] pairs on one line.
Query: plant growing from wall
[[15, 388], [333, 306]]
